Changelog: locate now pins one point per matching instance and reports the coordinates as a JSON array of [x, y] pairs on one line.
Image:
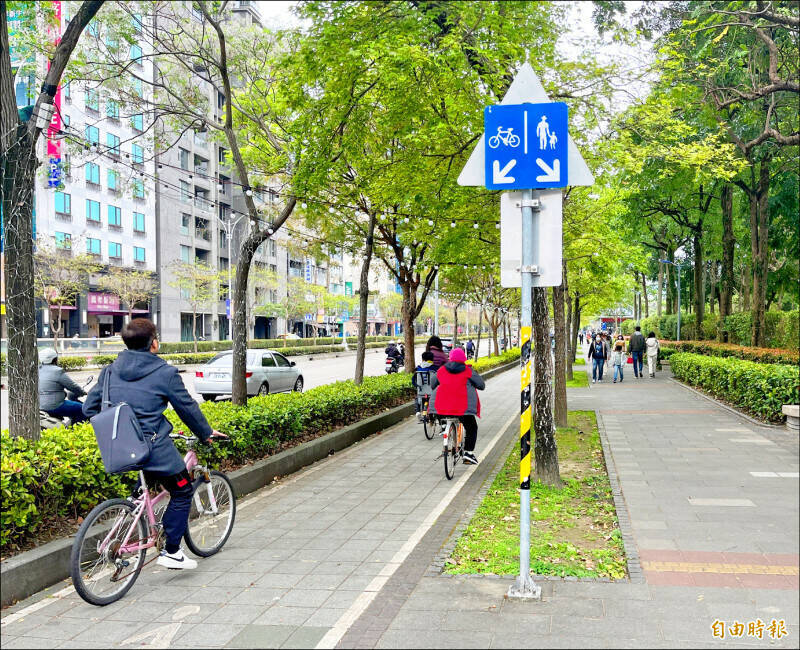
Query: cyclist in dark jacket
[[149, 384], [58, 393]]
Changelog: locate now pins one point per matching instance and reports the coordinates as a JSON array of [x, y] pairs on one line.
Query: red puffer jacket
[[455, 390]]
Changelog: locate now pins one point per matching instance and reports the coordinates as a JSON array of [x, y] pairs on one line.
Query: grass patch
[[574, 529], [580, 379], [580, 361]]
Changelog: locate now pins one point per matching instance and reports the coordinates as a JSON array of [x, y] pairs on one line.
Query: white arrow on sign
[[499, 175], [550, 175]]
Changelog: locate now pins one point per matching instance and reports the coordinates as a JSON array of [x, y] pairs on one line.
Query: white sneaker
[[176, 560], [594, 381]]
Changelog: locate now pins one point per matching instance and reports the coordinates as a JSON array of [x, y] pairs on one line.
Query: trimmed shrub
[[716, 349], [104, 359], [72, 363], [277, 344], [758, 388]]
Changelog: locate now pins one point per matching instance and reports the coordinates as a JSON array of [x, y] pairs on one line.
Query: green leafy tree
[[198, 284]]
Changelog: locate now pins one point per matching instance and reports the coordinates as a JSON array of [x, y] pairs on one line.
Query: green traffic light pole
[[680, 268]]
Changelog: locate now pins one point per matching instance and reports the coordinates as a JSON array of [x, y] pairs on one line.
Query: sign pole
[[525, 587]]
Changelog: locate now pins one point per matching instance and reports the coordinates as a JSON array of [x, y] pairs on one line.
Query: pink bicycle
[[109, 551]]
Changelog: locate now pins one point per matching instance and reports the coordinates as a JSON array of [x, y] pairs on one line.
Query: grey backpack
[[123, 446]]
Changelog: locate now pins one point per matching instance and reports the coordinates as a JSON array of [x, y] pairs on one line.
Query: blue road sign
[[526, 146]]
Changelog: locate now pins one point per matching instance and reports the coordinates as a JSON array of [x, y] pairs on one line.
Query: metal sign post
[[525, 587], [526, 146]]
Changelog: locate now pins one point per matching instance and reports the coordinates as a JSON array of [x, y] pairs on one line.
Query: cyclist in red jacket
[[455, 393]]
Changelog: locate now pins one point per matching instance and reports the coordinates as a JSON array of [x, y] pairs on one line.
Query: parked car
[[447, 344], [267, 372]]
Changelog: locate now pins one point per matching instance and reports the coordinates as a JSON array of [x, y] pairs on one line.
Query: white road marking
[[731, 503], [35, 607], [752, 441], [775, 474], [789, 474], [363, 601]]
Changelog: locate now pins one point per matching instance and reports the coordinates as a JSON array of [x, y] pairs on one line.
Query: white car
[[267, 372]]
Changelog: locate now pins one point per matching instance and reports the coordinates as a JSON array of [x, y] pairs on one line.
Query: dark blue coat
[[148, 384]]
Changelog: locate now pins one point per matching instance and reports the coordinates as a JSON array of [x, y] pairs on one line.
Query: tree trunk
[[407, 314], [747, 281], [455, 325], [728, 246], [495, 325], [660, 282], [480, 327], [194, 328], [18, 168], [363, 299], [576, 321], [760, 254], [570, 338], [55, 327], [672, 288], [699, 277], [545, 450], [644, 298], [239, 367], [559, 372]]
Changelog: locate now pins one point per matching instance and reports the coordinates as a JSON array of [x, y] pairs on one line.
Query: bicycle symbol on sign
[[505, 136]]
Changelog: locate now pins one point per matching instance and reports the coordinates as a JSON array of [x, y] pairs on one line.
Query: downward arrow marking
[[499, 175], [550, 175]]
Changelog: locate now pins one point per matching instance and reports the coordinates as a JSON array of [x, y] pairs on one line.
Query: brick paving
[[348, 552]]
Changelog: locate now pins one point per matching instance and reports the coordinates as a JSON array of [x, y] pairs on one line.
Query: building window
[[112, 109], [136, 87], [137, 154], [92, 28], [63, 203], [221, 155], [136, 21], [200, 165], [138, 222], [92, 210], [186, 253], [272, 247], [114, 216], [138, 254], [136, 53], [92, 173], [184, 156], [64, 241], [112, 179], [186, 192], [93, 246], [92, 135], [186, 219], [200, 138], [224, 184], [65, 120], [114, 250], [138, 188], [112, 142], [92, 99], [65, 91], [137, 122]]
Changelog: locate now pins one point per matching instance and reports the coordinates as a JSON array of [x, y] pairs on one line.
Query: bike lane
[[307, 555]]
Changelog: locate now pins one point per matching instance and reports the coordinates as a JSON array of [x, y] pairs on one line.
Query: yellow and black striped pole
[[525, 587], [525, 409]]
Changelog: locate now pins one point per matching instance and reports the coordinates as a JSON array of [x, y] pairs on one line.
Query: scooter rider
[[393, 352], [58, 394]]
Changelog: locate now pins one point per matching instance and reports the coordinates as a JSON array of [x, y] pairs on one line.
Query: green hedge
[[716, 349], [781, 328], [72, 363], [278, 344], [758, 388]]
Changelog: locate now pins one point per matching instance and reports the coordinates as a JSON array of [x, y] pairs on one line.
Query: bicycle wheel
[[101, 572], [494, 142], [450, 451], [513, 140], [211, 522], [429, 428]]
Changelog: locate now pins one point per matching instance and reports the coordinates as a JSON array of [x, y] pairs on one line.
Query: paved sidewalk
[[341, 554]]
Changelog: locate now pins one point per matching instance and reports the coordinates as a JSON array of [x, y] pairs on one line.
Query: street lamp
[[680, 268], [228, 226]]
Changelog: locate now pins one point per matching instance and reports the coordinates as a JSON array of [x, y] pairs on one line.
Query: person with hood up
[[435, 347], [148, 384], [653, 346], [56, 387], [455, 393]]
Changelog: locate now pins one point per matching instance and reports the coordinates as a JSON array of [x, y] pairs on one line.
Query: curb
[[731, 409], [31, 571]]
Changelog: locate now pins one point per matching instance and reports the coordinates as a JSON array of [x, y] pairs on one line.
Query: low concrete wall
[[34, 570]]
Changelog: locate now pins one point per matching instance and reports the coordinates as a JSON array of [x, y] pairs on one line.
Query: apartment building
[[95, 194]]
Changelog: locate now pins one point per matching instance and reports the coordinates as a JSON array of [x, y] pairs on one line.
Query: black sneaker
[[470, 458]]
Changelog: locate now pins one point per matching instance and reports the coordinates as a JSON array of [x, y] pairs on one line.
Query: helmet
[[47, 356]]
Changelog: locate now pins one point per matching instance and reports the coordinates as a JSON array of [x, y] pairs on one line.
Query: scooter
[[393, 364], [47, 421]]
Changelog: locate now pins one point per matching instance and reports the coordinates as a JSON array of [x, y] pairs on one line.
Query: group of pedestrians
[[605, 349]]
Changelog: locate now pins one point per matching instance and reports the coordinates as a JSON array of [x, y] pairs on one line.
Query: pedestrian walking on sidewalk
[[580, 337], [618, 357], [607, 345], [653, 347], [597, 353], [636, 348]]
